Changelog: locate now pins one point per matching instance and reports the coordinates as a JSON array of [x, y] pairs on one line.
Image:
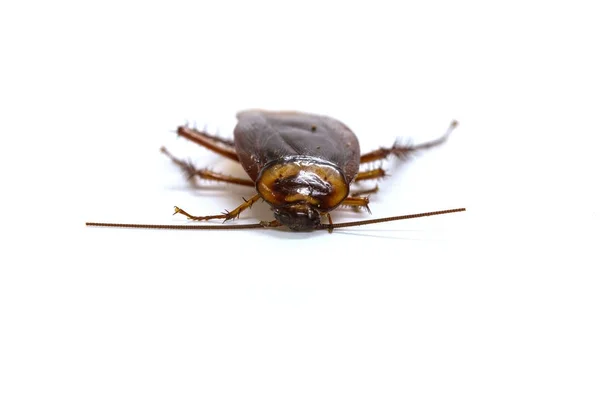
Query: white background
[[499, 302]]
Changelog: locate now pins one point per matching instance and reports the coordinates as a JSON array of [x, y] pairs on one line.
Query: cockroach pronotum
[[301, 164]]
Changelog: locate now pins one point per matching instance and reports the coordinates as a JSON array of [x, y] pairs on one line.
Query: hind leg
[[404, 151], [220, 146], [191, 171]]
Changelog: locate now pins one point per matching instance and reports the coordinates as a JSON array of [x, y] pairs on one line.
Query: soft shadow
[[380, 235]]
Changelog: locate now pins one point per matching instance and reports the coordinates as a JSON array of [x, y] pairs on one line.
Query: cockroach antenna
[[274, 224]]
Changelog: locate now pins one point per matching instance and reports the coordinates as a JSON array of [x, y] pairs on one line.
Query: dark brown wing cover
[[263, 136]]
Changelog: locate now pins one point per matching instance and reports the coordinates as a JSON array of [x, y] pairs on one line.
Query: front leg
[[357, 202], [227, 215], [191, 171]]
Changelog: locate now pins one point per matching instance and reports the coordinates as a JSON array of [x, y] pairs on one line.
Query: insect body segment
[[300, 179]]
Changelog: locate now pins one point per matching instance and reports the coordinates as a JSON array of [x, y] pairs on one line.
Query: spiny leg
[[227, 215], [366, 191], [208, 141], [369, 174], [403, 151], [226, 142], [363, 176], [191, 171], [357, 202]]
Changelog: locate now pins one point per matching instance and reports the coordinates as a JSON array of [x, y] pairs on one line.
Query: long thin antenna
[[389, 219], [273, 223], [182, 227]]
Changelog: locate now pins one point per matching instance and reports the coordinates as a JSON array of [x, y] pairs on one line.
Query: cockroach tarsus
[[301, 164]]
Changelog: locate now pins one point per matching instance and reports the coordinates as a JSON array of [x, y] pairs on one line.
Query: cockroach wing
[[264, 136]]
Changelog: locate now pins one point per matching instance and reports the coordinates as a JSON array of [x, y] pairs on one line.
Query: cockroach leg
[[223, 141], [191, 171], [404, 151], [227, 215], [366, 191], [370, 174], [357, 202], [220, 146], [213, 176]]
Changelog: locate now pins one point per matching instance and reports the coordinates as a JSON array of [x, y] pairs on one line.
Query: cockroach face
[[301, 189], [298, 217]]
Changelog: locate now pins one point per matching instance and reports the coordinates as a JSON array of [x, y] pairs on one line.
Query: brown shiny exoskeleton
[[301, 164]]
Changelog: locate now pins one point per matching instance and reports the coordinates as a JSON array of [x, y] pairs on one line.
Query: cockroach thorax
[[300, 180]]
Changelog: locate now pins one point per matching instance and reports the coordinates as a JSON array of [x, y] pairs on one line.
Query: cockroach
[[301, 164]]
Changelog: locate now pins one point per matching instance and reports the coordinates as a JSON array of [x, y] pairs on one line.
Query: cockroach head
[[298, 217]]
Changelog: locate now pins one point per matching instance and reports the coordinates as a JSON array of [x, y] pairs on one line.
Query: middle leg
[[369, 174], [365, 191]]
